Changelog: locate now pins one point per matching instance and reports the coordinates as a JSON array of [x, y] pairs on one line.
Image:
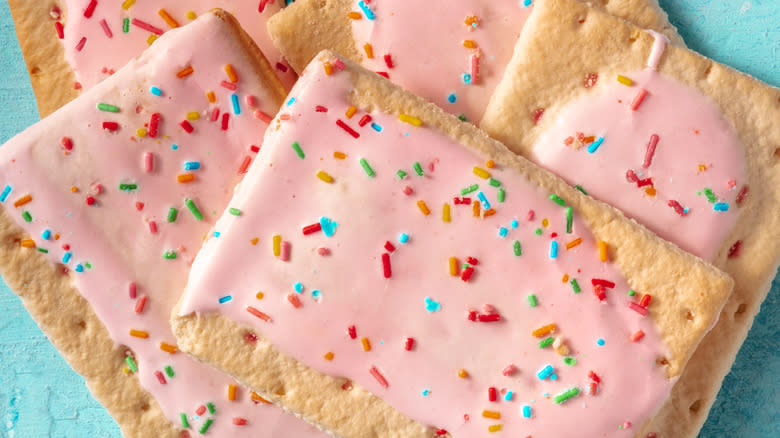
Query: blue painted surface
[[40, 396]]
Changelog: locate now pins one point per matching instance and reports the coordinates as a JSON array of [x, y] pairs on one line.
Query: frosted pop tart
[[388, 270], [684, 145], [71, 45], [106, 202], [452, 53]]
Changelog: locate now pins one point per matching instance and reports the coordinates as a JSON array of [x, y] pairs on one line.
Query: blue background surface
[[40, 396]]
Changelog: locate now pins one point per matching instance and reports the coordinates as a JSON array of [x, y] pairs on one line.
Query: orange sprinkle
[[211, 97], [369, 51], [254, 240], [328, 68], [475, 208], [463, 373], [469, 44], [471, 21], [453, 266], [328, 356], [168, 348], [350, 112], [366, 344], [423, 207], [168, 19], [573, 243], [565, 278], [650, 191], [28, 243], [354, 15], [259, 295], [139, 333], [489, 213], [185, 177], [231, 72], [491, 414], [603, 251], [544, 330], [445, 213], [339, 155], [232, 392], [256, 398], [23, 200], [490, 164], [74, 189], [186, 72]]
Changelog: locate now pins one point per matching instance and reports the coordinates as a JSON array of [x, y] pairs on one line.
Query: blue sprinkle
[[316, 293], [156, 91], [452, 98], [225, 299], [236, 106], [328, 226], [721, 206], [217, 233], [526, 408], [503, 231], [600, 342], [466, 78], [545, 372], [376, 127], [508, 395], [554, 377], [79, 268], [595, 145], [192, 165], [431, 305], [369, 13], [425, 391], [66, 257], [46, 235], [403, 238], [515, 224], [291, 101], [483, 199], [527, 3], [298, 287], [554, 249], [6, 192], [174, 146]]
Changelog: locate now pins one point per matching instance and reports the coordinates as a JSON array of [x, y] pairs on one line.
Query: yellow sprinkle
[[475, 208], [495, 428], [423, 208], [544, 330], [231, 395], [453, 266], [127, 3], [324, 176], [366, 344], [277, 245], [231, 72], [354, 15], [410, 119], [491, 414], [328, 68], [565, 278], [350, 112], [573, 243], [191, 15], [445, 213], [140, 132], [463, 373], [259, 295], [168, 348], [28, 243], [185, 72], [624, 80], [139, 333], [256, 397], [152, 38], [490, 164], [602, 250], [211, 97], [254, 240], [482, 173], [339, 155], [185, 177], [369, 51], [329, 356], [650, 191], [23, 200], [126, 370], [168, 19], [469, 44], [193, 115]]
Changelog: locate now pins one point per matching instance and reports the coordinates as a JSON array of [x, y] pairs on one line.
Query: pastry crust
[[682, 284], [608, 46]]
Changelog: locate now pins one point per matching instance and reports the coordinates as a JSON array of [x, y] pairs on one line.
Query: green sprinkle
[[570, 361], [205, 427], [169, 371], [546, 342], [557, 199], [184, 423], [418, 168], [501, 195], [463, 118], [108, 107], [494, 182], [170, 255], [212, 408], [88, 265], [532, 300], [235, 211], [469, 189], [131, 364], [401, 174], [631, 293], [710, 196], [126, 25], [27, 216], [298, 150], [367, 167], [43, 250], [569, 218], [194, 209], [569, 393], [538, 231], [575, 286], [128, 187], [172, 213], [517, 248], [579, 187]]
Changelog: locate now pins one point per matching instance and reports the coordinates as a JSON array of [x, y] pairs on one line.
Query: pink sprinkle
[[148, 161], [339, 64], [323, 251], [146, 26], [650, 151], [160, 377], [627, 425], [97, 188], [153, 227], [635, 337], [638, 99], [215, 114], [509, 370], [60, 29], [263, 116], [431, 166], [106, 29], [285, 254], [225, 120], [81, 43], [637, 308], [474, 68], [250, 100], [90, 9], [407, 191], [488, 308], [379, 377], [140, 304], [133, 290], [238, 421], [531, 215], [201, 410], [229, 85]]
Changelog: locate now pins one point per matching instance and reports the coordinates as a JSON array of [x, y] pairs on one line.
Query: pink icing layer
[[111, 240], [342, 280], [696, 149], [427, 50], [100, 54]]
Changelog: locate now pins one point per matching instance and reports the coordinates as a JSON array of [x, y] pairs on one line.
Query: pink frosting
[[698, 160], [426, 47], [334, 277], [111, 242], [101, 54]]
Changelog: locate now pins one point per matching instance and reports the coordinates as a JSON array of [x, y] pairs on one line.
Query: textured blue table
[[40, 396]]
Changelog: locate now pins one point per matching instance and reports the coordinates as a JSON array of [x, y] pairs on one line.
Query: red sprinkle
[[154, 124], [60, 29], [383, 74], [238, 421], [509, 370], [741, 196], [132, 290], [281, 67], [294, 300], [635, 337], [110, 126], [320, 109], [590, 80], [364, 120], [258, 314], [650, 151], [201, 410], [186, 126], [600, 292], [91, 200], [735, 249], [225, 120], [409, 344], [536, 115], [388, 61], [346, 127], [492, 394], [311, 229], [645, 301], [153, 227], [467, 273], [140, 304], [638, 99], [388, 272], [352, 332], [254, 148], [215, 114], [593, 376], [160, 377], [493, 317], [245, 165], [263, 116], [67, 143], [472, 261], [90, 9], [472, 315], [229, 85], [593, 388], [379, 377], [637, 308], [389, 246], [602, 282], [677, 207]]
